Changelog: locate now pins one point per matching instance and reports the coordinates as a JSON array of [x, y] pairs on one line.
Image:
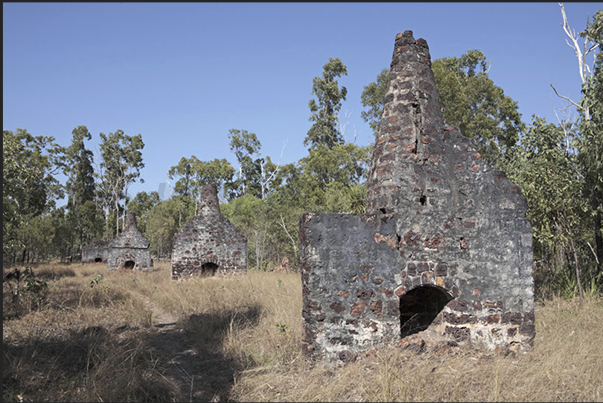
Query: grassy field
[[90, 335]]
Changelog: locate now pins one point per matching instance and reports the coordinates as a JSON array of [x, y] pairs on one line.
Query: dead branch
[[282, 223]]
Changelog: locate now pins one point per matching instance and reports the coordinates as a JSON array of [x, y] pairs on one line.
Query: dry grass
[[89, 339], [565, 365]]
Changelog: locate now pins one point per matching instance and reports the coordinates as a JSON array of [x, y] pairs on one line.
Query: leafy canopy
[[325, 108], [468, 98]]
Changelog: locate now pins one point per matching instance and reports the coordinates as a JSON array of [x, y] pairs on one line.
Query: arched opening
[[129, 264], [208, 269], [98, 260], [419, 307]]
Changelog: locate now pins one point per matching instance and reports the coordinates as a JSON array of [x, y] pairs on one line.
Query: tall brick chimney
[[444, 247]]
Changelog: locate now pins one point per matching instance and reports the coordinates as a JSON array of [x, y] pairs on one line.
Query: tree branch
[[572, 35], [287, 232], [566, 98], [593, 251], [266, 181]]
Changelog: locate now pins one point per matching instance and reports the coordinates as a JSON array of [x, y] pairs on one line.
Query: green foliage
[[38, 236], [184, 170], [29, 188], [77, 164], [468, 98], [344, 164], [121, 162], [565, 285], [590, 143], [257, 175], [325, 108], [193, 174], [164, 220], [270, 225], [248, 213], [244, 146], [27, 289], [141, 206], [549, 178], [345, 199], [372, 97], [283, 328], [96, 280], [218, 172]]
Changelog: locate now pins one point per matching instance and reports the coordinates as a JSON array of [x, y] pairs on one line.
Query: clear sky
[[183, 74]]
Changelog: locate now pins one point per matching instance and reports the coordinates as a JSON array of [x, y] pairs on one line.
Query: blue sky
[[183, 74]]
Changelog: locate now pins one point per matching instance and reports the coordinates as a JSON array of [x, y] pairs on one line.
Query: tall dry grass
[[566, 364], [90, 340]]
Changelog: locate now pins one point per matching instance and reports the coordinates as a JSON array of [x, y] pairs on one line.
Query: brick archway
[[209, 268], [420, 307], [128, 261]]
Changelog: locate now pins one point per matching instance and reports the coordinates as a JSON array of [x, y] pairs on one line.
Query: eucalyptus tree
[[141, 205], [161, 225], [29, 188], [121, 162], [256, 174], [325, 108], [590, 143], [373, 96], [549, 177], [184, 172], [587, 46], [191, 174], [244, 145], [77, 164]]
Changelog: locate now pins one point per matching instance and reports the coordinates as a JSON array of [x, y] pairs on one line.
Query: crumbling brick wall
[[444, 245], [129, 250], [209, 244], [95, 252]]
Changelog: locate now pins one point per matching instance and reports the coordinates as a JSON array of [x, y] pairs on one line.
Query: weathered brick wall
[[130, 246], [96, 251], [208, 243], [444, 244]]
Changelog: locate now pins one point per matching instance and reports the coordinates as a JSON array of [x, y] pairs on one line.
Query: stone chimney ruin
[[208, 244], [130, 250], [95, 252], [444, 249]]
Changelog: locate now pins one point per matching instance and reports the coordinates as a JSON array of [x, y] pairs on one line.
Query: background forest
[[559, 166]]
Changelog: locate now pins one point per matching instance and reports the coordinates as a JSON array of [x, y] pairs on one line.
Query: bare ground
[[200, 376]]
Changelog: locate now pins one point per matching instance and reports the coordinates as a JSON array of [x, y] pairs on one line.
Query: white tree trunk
[[581, 53]]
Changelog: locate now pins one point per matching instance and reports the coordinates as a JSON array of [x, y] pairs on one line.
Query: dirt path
[[200, 377]]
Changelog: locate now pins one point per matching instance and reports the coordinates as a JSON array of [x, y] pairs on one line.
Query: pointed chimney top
[[209, 199], [411, 124], [131, 219]]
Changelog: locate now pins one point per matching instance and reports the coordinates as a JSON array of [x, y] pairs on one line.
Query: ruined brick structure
[[208, 243], [95, 252], [130, 250], [444, 247]]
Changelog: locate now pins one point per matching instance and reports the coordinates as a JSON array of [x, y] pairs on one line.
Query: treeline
[[559, 166]]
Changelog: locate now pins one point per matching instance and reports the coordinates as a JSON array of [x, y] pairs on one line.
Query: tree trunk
[[116, 217], [599, 241], [580, 291], [107, 221]]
